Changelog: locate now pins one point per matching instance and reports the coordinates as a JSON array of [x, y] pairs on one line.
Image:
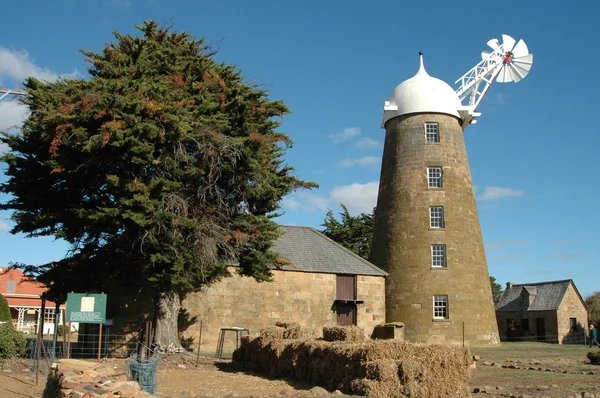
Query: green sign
[[86, 307]]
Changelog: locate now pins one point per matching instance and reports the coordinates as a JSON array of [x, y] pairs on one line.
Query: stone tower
[[427, 234]]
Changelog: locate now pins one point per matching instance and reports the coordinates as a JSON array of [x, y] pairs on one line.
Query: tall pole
[[40, 339], [56, 319]]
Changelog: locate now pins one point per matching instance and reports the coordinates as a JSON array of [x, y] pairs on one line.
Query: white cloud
[[345, 135], [358, 198], [365, 161], [18, 65], [367, 143], [495, 193], [496, 98], [290, 203], [4, 226], [12, 113]]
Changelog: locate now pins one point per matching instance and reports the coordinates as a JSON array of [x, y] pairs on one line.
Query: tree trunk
[[166, 329]]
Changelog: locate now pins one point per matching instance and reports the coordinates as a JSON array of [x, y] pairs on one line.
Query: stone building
[[323, 284], [553, 312], [427, 234]]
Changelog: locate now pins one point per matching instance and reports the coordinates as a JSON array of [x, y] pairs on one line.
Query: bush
[[4, 310], [12, 342], [594, 357]]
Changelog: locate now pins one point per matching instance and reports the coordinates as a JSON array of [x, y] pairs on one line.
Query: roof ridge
[[542, 283]]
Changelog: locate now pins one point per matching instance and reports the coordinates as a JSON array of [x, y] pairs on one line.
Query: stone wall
[[572, 307], [402, 235], [550, 325], [306, 298]]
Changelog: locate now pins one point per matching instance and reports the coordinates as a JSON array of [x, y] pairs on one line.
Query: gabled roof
[[548, 296], [308, 250]]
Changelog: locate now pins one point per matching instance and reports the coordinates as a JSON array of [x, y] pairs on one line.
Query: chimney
[[509, 285]]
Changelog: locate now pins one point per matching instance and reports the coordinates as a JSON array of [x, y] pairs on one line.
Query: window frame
[[434, 133], [11, 286], [436, 255], [49, 315], [440, 305], [439, 178], [442, 223]]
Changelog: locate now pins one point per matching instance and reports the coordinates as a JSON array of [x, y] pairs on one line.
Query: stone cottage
[[553, 312], [321, 284]]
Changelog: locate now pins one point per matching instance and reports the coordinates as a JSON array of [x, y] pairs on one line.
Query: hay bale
[[292, 331], [343, 333], [272, 332], [381, 368]]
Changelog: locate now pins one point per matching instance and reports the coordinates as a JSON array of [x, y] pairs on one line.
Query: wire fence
[[84, 346], [571, 338]]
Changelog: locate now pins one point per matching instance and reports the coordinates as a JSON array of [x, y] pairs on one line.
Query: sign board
[[86, 307]]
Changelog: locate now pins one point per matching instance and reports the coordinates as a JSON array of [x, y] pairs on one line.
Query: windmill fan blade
[[493, 43], [520, 49], [485, 54], [504, 75], [508, 43], [515, 75], [523, 65]]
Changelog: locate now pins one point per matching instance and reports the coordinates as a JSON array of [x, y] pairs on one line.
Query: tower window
[[432, 132], [434, 177], [436, 217], [440, 307], [11, 286], [438, 256]]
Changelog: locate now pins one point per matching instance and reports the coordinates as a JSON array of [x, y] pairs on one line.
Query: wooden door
[[541, 328], [346, 314], [345, 307]]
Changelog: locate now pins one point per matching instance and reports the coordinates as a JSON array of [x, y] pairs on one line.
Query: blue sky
[[532, 153]]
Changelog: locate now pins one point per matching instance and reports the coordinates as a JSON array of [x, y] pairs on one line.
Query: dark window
[[345, 287], [525, 324], [573, 324]]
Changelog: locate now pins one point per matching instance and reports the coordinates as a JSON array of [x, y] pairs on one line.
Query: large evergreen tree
[[353, 232], [160, 169]]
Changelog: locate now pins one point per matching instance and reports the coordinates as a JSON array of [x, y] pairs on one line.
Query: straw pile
[[377, 368], [290, 330], [343, 333]]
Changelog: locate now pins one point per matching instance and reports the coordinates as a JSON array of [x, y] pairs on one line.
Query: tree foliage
[[4, 310], [593, 303], [496, 290], [164, 164], [353, 232]]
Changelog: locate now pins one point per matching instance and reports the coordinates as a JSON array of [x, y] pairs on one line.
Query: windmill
[[507, 62], [427, 234]]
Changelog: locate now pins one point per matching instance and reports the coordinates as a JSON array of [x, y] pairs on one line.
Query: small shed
[[552, 311]]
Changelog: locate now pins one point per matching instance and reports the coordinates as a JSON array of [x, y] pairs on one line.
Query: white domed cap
[[421, 94]]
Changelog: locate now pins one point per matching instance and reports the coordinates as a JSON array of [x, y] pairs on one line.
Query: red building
[[24, 299]]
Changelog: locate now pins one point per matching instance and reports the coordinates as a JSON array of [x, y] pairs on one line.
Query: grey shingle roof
[[309, 250], [548, 296]]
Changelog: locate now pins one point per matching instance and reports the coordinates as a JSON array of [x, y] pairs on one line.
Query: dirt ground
[[529, 370]]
